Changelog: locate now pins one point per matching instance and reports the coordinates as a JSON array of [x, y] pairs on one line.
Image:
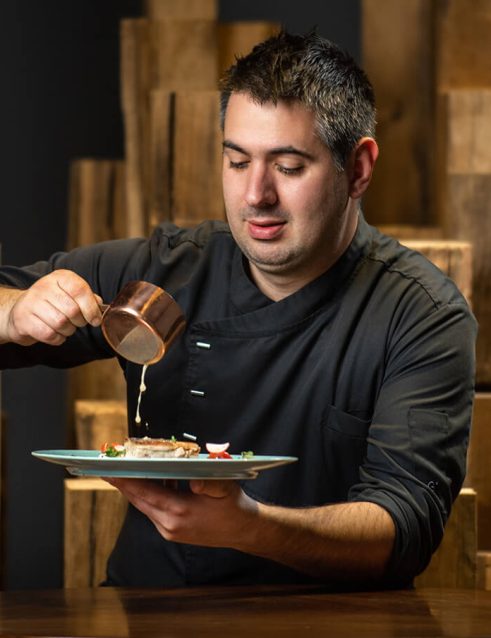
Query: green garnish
[[114, 451], [173, 439], [247, 455]]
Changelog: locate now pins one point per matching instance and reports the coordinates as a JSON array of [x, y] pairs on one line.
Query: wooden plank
[[97, 213], [466, 137], [197, 162], [96, 201], [165, 54], [136, 76], [463, 45], [483, 579], [464, 198], [454, 564], [183, 9], [397, 38], [479, 467], [238, 38], [186, 54], [96, 381], [99, 421], [186, 144], [162, 122], [94, 512]]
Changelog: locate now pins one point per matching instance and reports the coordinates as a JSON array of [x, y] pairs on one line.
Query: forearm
[[349, 542]]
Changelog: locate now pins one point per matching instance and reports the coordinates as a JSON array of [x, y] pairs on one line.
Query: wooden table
[[245, 612]]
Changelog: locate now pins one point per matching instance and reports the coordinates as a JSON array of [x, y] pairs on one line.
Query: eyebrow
[[279, 150]]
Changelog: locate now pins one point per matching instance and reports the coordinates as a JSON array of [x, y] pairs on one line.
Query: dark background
[[61, 101]]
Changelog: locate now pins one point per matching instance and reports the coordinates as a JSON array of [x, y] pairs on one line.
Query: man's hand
[[49, 311], [212, 514]]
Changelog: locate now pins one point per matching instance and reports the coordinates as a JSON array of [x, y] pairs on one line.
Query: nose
[[260, 190]]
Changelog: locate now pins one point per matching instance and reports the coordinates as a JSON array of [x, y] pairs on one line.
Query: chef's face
[[287, 205]]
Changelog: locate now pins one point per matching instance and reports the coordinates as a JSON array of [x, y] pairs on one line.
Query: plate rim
[[236, 468]]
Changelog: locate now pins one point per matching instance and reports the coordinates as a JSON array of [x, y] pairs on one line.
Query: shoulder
[[409, 269]]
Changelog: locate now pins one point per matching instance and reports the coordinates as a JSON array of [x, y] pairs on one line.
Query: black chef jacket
[[365, 374]]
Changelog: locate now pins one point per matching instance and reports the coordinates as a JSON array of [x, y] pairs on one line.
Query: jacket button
[[197, 393]]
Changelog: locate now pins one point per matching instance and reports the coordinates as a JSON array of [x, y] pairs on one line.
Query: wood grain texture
[[397, 55], [97, 210], [454, 564], [479, 467], [197, 162], [242, 612], [97, 422], [181, 9], [170, 55], [136, 78], [484, 570], [464, 198], [160, 159], [463, 45], [465, 140], [94, 512]]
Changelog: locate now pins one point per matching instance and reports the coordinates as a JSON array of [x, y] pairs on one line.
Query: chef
[[309, 333]]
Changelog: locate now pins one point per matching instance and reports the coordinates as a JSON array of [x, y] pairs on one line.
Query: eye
[[287, 170], [237, 165]]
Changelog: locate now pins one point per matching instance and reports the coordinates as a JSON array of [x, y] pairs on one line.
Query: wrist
[[8, 299]]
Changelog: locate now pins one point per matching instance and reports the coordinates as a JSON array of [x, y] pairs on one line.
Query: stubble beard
[[272, 259]]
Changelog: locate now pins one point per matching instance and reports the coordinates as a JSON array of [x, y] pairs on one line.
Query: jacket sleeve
[[106, 267], [418, 437], [166, 258]]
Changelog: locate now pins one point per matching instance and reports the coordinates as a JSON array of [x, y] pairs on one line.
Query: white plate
[[91, 463]]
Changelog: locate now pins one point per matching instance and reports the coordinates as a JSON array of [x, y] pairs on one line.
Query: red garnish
[[219, 455], [218, 450]]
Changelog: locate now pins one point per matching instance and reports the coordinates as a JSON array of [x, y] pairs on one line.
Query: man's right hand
[[49, 311]]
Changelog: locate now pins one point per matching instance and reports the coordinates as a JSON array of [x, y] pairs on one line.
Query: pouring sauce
[[143, 387]]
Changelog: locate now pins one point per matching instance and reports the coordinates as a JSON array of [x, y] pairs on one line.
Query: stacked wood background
[[434, 97], [94, 510], [430, 64]]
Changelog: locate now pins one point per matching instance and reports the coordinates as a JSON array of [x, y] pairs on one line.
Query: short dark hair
[[316, 72]]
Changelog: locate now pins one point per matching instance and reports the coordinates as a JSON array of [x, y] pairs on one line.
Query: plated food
[[152, 448], [147, 447]]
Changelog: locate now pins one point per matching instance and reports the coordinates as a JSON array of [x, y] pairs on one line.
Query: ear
[[361, 166]]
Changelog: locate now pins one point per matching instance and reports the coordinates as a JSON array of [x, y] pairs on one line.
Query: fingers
[[214, 489], [76, 299], [212, 513], [52, 309]]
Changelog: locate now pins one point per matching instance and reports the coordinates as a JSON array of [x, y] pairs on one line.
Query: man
[[309, 334]]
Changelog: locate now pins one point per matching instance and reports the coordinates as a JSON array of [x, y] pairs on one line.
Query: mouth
[[265, 229]]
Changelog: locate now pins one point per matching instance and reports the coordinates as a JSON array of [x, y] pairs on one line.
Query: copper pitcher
[[142, 322]]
